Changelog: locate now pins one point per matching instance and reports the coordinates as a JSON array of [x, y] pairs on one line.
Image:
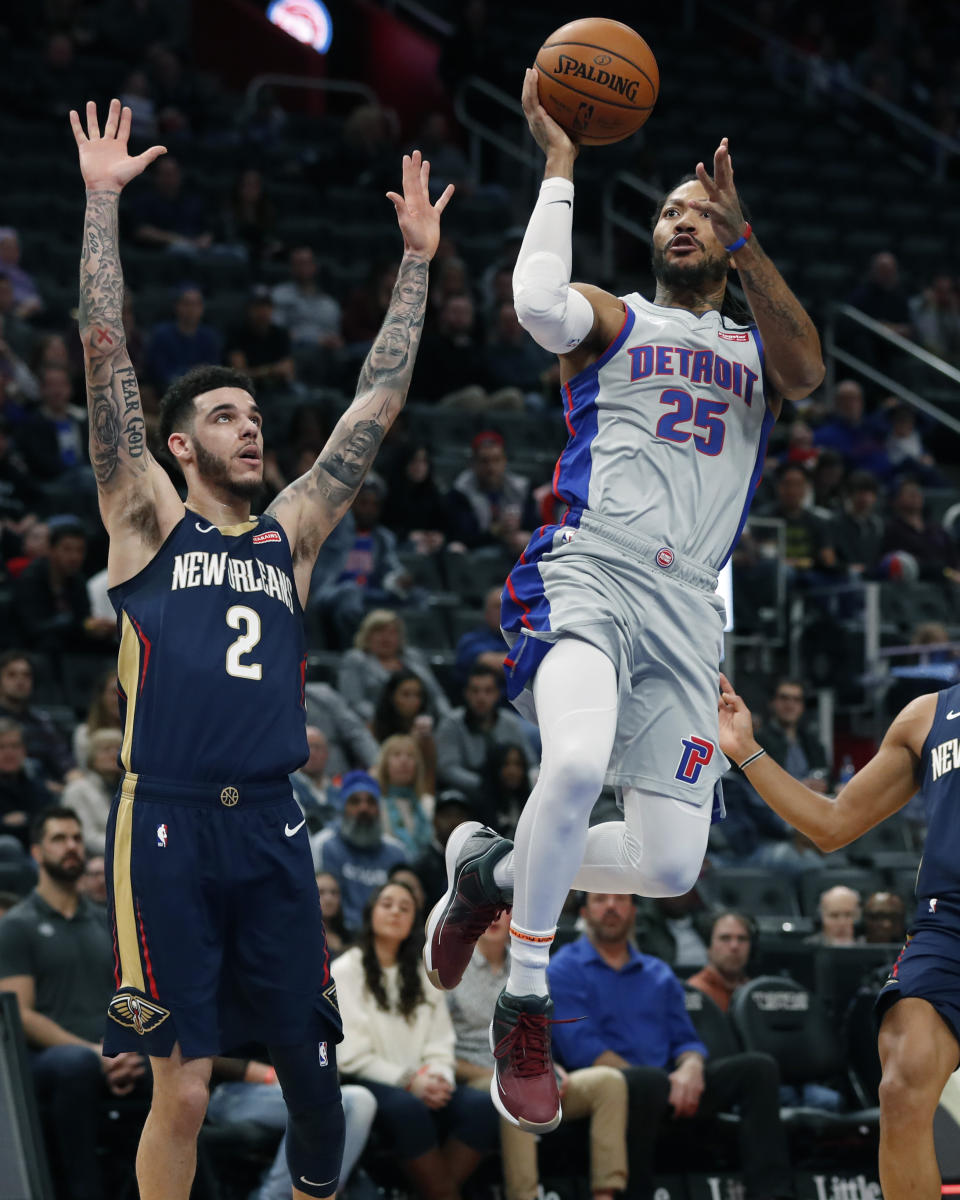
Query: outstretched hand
[[736, 724], [722, 205], [104, 161], [549, 136], [419, 219]]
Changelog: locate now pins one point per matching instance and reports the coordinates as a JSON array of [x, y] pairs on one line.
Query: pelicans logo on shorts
[[136, 1012], [697, 752]]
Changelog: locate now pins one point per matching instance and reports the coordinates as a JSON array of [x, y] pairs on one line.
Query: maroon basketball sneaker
[[524, 1084], [471, 902]]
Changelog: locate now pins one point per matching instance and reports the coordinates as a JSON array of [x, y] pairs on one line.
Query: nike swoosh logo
[[566, 202], [310, 1183], [200, 529], [290, 832], [952, 716]]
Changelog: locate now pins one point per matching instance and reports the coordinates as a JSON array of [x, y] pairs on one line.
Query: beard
[[216, 471], [362, 834], [696, 277], [61, 873]]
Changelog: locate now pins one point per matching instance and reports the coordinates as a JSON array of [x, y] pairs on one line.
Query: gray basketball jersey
[[668, 430]]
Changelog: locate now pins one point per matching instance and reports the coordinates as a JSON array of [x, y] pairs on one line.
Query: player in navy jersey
[[614, 623], [215, 914], [919, 1006]]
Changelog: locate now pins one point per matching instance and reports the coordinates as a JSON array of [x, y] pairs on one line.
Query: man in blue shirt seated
[[636, 1020]]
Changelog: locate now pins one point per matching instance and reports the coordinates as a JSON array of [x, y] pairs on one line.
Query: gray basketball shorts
[[659, 620]]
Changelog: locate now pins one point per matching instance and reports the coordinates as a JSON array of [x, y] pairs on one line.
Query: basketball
[[598, 80]]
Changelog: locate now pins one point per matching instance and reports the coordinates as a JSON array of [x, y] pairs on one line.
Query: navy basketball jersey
[[212, 656], [939, 875]]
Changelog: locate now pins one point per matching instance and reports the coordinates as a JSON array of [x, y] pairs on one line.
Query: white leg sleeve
[[657, 850], [576, 695], [555, 316]]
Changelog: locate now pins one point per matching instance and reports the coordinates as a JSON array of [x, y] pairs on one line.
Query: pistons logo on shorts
[[665, 557], [697, 752]]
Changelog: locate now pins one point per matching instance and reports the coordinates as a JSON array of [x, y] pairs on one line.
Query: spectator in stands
[[91, 793], [513, 359], [792, 743], [349, 741], [731, 940], [59, 78], [639, 1024], [313, 789], [908, 530], [34, 544], [379, 652], [51, 599], [404, 707], [467, 735], [137, 95], [56, 956], [260, 347], [905, 448], [858, 438], [26, 298], [20, 495], [884, 918], [398, 1041], [45, 743], [597, 1092], [809, 541], [935, 315], [670, 928], [858, 530], [308, 314], [485, 644], [23, 792], [489, 505], [410, 879], [249, 218], [450, 809], [406, 803], [366, 306], [828, 475], [505, 786], [167, 215], [17, 333], [839, 913], [367, 151], [881, 295], [753, 834], [53, 441], [456, 374], [358, 569], [93, 882], [186, 341], [331, 907], [415, 509], [356, 851], [103, 713]]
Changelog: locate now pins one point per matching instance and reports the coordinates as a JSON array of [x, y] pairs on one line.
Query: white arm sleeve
[[555, 316]]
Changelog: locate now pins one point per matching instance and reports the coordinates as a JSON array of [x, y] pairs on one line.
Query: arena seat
[[754, 890], [711, 1023]]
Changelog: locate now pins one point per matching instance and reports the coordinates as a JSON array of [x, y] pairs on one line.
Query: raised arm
[[575, 321], [137, 501], [879, 789], [793, 360], [313, 504]]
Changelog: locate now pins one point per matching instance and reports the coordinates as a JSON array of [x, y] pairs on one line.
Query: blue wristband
[[741, 241]]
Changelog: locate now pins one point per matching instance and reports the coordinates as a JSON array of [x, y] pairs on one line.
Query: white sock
[[529, 955], [503, 872]]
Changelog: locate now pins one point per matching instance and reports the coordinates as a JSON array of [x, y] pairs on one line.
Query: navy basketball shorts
[[217, 933], [928, 968]]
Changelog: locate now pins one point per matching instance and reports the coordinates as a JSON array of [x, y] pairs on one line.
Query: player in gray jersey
[[612, 616]]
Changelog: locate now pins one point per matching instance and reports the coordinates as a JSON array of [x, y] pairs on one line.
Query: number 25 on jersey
[[700, 419]]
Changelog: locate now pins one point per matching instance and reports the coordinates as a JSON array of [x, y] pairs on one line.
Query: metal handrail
[[901, 115], [520, 152], [310, 83], [613, 219], [835, 354], [423, 14]]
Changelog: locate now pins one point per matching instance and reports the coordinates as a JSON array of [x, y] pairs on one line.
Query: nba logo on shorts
[[323, 1054], [566, 535], [664, 557], [933, 905], [161, 835], [697, 752]]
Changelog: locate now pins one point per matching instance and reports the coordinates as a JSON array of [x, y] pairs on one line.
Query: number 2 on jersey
[[706, 419], [247, 619]]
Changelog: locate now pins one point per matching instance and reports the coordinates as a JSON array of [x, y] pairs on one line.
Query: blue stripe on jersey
[[571, 478], [769, 420]]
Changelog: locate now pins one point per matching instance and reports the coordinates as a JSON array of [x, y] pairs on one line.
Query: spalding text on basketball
[[568, 65]]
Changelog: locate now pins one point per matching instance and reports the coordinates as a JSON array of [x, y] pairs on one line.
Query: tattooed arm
[[137, 501], [313, 504], [793, 362]]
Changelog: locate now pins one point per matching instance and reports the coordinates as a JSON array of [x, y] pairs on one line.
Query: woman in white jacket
[[398, 1041]]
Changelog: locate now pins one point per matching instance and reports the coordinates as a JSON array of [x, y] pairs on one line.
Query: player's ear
[[179, 446]]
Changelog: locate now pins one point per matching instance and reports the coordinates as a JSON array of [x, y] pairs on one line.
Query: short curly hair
[[177, 408]]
